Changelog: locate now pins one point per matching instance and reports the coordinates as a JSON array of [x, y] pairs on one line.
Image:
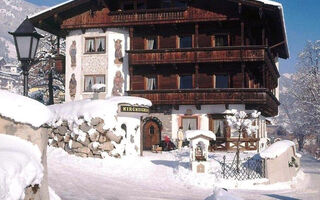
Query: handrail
[[197, 49], [208, 90], [143, 11]]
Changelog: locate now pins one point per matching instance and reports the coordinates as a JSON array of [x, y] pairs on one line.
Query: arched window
[[151, 130]]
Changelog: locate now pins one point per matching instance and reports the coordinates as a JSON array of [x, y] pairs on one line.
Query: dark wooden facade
[[237, 38]]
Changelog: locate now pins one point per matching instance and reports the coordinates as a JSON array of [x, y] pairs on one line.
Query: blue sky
[[302, 20]]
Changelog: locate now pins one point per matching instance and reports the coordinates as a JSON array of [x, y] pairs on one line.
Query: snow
[[165, 175], [51, 8], [194, 133], [98, 86], [20, 167], [138, 101], [277, 149], [106, 109], [53, 195], [221, 194], [22, 109]]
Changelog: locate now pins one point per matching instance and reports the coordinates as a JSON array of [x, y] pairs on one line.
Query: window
[[151, 130], [222, 81], [128, 5], [185, 42], [189, 123], [95, 45], [221, 40], [166, 3], [89, 81], [141, 5], [218, 127], [186, 82], [151, 43], [179, 3], [151, 83]]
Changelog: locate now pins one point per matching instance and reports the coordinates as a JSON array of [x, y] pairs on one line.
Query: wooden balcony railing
[[200, 55], [230, 144], [259, 99], [165, 15], [147, 15]]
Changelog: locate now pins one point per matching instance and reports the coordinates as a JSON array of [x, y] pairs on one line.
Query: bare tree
[[241, 123], [43, 73], [300, 109]]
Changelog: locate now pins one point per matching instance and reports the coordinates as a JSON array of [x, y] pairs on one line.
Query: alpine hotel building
[[194, 59]]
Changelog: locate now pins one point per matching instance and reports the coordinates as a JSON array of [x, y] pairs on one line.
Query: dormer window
[[95, 45]]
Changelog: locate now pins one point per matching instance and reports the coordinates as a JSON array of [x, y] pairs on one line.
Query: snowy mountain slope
[[12, 13]]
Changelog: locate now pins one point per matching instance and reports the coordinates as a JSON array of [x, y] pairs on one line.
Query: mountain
[[12, 13]]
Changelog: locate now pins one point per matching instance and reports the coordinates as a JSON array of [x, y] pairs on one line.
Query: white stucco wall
[[96, 63]]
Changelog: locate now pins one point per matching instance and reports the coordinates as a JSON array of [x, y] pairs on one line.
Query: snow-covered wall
[[98, 128], [24, 117]]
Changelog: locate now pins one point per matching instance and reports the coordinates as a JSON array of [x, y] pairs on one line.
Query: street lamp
[[26, 40]]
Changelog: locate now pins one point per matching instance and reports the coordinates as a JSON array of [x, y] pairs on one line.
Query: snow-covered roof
[[277, 149], [23, 109], [20, 166], [51, 8], [195, 133]]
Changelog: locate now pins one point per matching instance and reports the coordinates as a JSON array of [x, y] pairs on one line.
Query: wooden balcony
[[197, 55], [259, 99], [166, 15]]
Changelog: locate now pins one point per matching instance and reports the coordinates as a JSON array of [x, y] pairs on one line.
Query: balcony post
[[243, 66], [197, 75], [131, 76], [131, 37], [196, 37], [264, 75]]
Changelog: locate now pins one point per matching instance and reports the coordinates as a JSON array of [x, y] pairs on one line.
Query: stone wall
[[38, 136], [86, 138]]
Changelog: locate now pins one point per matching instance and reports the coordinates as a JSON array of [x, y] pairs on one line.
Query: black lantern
[[26, 40]]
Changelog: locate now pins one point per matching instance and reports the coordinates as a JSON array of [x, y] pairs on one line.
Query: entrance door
[[151, 135]]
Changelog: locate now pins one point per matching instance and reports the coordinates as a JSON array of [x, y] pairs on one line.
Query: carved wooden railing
[[230, 144], [259, 99], [166, 15], [147, 15], [200, 55]]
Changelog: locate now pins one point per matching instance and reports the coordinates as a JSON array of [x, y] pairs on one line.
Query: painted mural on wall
[[117, 84], [73, 53], [118, 52], [73, 86]]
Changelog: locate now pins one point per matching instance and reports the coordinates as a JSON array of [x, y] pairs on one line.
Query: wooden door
[[151, 135]]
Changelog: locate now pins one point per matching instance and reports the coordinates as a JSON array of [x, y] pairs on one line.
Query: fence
[[249, 168]]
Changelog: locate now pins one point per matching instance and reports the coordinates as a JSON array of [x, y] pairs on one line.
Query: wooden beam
[[243, 70], [197, 75], [196, 38]]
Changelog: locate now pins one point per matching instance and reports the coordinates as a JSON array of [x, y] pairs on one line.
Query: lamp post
[[26, 40]]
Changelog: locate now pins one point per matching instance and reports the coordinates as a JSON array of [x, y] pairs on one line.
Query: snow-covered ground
[[20, 167], [160, 176]]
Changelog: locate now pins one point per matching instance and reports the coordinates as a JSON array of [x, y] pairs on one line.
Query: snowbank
[[194, 133], [22, 109], [20, 166], [277, 149], [88, 109], [221, 194]]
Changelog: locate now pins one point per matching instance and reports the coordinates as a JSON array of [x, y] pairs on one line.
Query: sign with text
[[136, 109]]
